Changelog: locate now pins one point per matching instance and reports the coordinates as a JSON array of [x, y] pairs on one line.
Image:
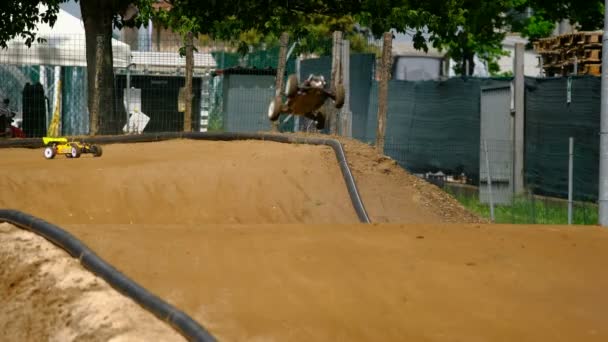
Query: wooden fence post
[[284, 40], [385, 72], [188, 85]]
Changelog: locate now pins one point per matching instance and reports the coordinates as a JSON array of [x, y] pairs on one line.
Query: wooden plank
[[592, 69]]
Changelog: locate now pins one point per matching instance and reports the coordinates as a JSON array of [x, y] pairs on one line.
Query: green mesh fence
[[246, 100], [263, 59], [75, 113], [244, 89], [556, 109], [431, 125]]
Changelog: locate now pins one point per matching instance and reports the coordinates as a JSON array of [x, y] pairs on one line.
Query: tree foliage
[[463, 28], [482, 28], [19, 19], [587, 14], [311, 22]]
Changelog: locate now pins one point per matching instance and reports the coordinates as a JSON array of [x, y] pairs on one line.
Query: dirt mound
[[188, 182], [393, 195], [180, 182], [46, 295]]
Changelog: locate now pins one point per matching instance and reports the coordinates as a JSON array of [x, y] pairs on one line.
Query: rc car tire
[[49, 153], [274, 109], [75, 151], [292, 85], [339, 102], [97, 150]]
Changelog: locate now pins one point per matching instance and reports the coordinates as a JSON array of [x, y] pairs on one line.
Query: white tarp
[[65, 46], [137, 122]]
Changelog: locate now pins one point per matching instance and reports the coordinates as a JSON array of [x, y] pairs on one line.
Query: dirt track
[[258, 241], [372, 283], [185, 181]]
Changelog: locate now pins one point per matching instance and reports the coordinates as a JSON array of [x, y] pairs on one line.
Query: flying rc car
[[73, 149], [306, 99]]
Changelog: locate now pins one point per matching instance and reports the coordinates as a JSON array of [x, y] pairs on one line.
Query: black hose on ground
[[351, 185], [178, 319], [185, 325]]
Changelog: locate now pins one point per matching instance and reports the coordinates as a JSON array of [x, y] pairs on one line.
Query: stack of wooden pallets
[[576, 53]]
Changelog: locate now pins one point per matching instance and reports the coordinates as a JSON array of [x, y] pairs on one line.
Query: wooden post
[[188, 85], [347, 115], [385, 72], [95, 111], [284, 40], [332, 112]]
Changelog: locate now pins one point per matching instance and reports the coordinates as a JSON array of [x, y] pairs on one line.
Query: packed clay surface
[[258, 241], [187, 182], [372, 282], [46, 295]]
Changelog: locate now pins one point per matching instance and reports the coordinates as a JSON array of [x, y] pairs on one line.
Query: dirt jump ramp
[[184, 324], [353, 192]]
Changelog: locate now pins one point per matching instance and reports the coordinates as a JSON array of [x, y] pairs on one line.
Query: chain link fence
[[435, 128]]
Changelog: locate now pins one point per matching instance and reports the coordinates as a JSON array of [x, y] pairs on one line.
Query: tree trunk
[[468, 64], [284, 40], [471, 64], [97, 18]]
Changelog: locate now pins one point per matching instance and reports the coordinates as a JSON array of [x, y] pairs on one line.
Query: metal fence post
[[296, 118], [570, 164], [570, 176], [603, 176], [519, 89], [485, 147]]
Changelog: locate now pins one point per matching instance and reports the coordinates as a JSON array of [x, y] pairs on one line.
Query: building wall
[[531, 63]]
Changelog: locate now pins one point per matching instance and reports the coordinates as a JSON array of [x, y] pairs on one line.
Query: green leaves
[[19, 19]]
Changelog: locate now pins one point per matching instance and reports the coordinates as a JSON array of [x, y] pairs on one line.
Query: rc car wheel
[[49, 153], [75, 151], [292, 86], [97, 150], [339, 101], [274, 109]]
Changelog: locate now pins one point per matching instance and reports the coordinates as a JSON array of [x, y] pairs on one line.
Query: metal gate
[[496, 139]]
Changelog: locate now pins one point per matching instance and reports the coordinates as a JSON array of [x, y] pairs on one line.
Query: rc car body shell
[[73, 149], [306, 99]]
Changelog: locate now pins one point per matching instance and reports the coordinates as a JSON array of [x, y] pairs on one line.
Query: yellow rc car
[[73, 149]]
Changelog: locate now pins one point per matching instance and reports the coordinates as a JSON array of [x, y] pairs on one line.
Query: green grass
[[532, 210]]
